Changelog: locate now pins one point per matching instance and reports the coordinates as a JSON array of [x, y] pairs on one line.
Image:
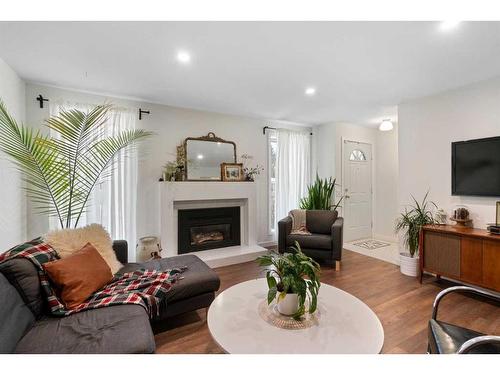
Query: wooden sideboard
[[464, 254]]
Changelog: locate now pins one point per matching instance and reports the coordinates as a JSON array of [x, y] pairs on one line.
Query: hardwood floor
[[401, 303]]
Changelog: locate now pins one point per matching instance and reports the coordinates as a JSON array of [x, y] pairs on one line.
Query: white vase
[[408, 265], [288, 305]]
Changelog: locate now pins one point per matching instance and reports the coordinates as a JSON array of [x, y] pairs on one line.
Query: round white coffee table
[[344, 325]]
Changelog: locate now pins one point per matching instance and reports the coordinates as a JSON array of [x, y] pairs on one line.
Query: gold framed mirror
[[204, 156]]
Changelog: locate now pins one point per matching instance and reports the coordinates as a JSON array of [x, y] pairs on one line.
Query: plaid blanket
[[142, 287]]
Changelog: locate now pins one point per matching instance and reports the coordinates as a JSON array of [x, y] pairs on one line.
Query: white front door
[[357, 185]]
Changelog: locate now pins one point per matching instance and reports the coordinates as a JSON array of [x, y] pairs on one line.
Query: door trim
[[342, 167]]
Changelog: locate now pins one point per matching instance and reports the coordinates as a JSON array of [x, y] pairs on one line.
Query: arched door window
[[357, 155]]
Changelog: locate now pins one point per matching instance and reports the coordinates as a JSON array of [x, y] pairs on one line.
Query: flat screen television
[[475, 167]]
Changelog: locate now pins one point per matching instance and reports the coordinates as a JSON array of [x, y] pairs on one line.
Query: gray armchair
[[325, 242]]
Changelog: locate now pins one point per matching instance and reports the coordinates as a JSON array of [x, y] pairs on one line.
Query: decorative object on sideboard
[[148, 247], [206, 154], [231, 171], [461, 216], [77, 142], [494, 228], [293, 281], [410, 222], [250, 172], [441, 217]]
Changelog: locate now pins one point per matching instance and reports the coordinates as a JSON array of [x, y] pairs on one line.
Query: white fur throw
[[66, 241]]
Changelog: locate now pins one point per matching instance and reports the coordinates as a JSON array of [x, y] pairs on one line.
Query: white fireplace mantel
[[207, 194]]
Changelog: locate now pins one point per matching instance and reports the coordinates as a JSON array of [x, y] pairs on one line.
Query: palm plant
[[411, 221], [292, 273], [319, 195], [61, 171]]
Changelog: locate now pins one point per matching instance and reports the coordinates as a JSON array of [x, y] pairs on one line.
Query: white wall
[[328, 162], [427, 126], [386, 183], [171, 125], [12, 201]]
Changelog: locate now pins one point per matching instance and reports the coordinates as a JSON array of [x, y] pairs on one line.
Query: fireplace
[[208, 228]]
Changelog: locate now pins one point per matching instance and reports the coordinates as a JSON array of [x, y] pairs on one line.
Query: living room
[[258, 187]]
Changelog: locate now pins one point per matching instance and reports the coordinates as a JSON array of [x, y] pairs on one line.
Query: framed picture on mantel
[[231, 171], [498, 213]]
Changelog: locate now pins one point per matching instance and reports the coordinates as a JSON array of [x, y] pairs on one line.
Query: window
[[272, 152], [357, 155]]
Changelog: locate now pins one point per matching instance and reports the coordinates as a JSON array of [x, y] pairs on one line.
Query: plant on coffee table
[[292, 273]]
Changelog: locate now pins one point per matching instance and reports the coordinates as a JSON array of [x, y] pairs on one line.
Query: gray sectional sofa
[[26, 328]]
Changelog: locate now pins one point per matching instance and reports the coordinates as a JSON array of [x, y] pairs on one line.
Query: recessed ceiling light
[[310, 91], [199, 156], [448, 25], [183, 57], [386, 125]]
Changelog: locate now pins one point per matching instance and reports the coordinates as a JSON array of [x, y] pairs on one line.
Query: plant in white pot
[[409, 224], [292, 278]]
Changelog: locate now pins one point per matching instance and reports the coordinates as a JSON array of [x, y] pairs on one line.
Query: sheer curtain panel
[[293, 169]]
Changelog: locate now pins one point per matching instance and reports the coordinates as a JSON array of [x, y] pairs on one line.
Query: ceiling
[[361, 70]]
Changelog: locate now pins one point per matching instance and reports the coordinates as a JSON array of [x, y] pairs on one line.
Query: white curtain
[[293, 169], [113, 200]]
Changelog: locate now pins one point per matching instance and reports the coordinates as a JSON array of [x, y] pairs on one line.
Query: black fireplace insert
[[208, 228]]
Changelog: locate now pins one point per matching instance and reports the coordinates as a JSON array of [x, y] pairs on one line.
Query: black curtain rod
[[41, 99], [269, 127], [141, 112]]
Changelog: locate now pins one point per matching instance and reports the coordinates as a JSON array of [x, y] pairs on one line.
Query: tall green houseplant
[[62, 170], [411, 221], [319, 195]]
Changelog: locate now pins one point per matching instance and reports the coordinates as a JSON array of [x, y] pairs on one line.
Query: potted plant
[[250, 172], [292, 278], [409, 223], [61, 170], [319, 195]]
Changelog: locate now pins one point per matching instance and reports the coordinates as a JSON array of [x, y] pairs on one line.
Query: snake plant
[[62, 169], [319, 195]]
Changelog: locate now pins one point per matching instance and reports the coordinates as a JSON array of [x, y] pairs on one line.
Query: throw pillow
[[68, 241], [79, 275]]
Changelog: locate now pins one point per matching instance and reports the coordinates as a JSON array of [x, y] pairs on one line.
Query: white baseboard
[[385, 238], [268, 244]]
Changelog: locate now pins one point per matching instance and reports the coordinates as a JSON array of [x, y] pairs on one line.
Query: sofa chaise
[[26, 328]]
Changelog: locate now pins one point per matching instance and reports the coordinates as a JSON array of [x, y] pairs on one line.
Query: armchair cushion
[[314, 241], [320, 221], [445, 338]]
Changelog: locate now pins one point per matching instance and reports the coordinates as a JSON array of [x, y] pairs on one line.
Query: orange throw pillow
[[79, 275]]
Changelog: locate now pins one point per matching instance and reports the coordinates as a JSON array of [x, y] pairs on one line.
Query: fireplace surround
[[208, 228], [190, 195]]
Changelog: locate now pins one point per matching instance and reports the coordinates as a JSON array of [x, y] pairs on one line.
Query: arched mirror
[[205, 155]]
